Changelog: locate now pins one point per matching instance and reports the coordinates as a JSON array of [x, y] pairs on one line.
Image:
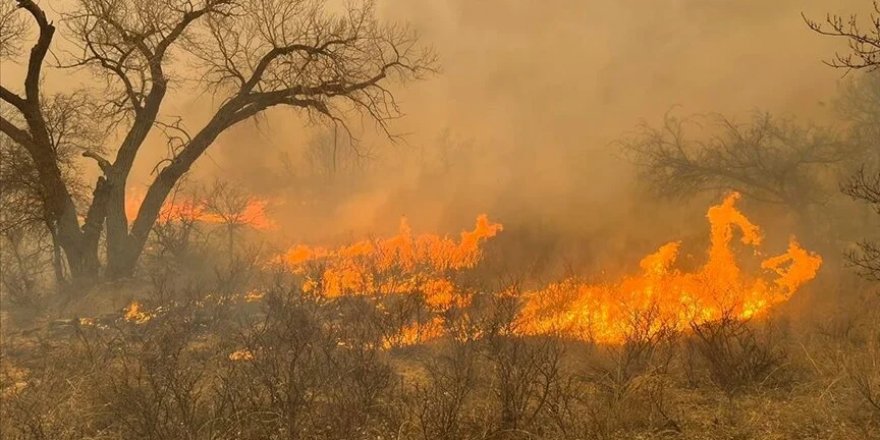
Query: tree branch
[[104, 164], [16, 134], [13, 98], [38, 52], [277, 52]]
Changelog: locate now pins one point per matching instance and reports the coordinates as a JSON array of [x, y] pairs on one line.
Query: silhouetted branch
[[864, 44]]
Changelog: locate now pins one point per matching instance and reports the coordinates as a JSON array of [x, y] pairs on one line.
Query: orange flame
[[134, 314], [416, 333], [253, 214], [661, 295], [605, 313], [400, 264], [403, 264]]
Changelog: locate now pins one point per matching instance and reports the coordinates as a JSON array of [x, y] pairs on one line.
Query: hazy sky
[[538, 92], [532, 96]]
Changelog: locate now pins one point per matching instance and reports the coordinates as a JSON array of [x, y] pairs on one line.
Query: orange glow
[[662, 295], [417, 333], [253, 214], [134, 313], [404, 263], [254, 296], [605, 313], [241, 355]]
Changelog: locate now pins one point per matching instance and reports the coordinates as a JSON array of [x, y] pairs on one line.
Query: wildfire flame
[[606, 313], [660, 297], [401, 264], [252, 214], [134, 314]]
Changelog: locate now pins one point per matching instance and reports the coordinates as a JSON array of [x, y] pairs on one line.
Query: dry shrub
[[525, 371], [26, 277], [451, 383], [627, 386], [855, 354], [154, 380], [736, 354], [312, 370], [46, 391], [303, 366]]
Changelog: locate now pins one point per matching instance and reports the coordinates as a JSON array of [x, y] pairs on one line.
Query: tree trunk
[[122, 261], [81, 258], [57, 260], [80, 244], [124, 249], [121, 255]]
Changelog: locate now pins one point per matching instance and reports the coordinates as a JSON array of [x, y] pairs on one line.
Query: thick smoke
[[521, 122]]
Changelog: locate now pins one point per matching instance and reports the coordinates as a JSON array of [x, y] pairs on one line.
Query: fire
[[661, 296], [404, 263], [254, 296], [417, 332], [252, 214], [668, 297], [134, 314], [241, 355]]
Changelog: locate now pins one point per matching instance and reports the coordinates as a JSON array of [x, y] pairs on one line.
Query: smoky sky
[[532, 96], [521, 121]]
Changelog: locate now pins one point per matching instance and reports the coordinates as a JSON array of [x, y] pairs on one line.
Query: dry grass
[[308, 367]]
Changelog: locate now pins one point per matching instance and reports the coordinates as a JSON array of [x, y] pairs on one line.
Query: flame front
[[401, 264], [667, 297], [661, 295]]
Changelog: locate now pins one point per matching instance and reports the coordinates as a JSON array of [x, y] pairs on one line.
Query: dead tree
[[771, 160], [863, 42], [865, 186], [229, 205], [250, 56], [863, 54]]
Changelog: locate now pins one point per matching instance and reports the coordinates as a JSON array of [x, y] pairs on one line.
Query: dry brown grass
[[299, 366]]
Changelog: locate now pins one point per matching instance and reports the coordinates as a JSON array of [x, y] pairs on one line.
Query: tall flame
[[662, 295], [605, 313]]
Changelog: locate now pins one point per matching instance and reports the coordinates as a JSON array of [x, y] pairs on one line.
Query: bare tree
[[862, 100], [230, 207], [250, 55], [770, 160], [858, 103], [25, 214], [865, 186], [864, 42], [12, 29]]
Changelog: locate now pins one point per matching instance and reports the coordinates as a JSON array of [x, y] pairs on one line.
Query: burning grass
[[604, 312], [235, 210], [426, 264], [403, 263], [386, 338]]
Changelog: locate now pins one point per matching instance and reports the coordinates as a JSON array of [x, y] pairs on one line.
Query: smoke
[[522, 121]]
